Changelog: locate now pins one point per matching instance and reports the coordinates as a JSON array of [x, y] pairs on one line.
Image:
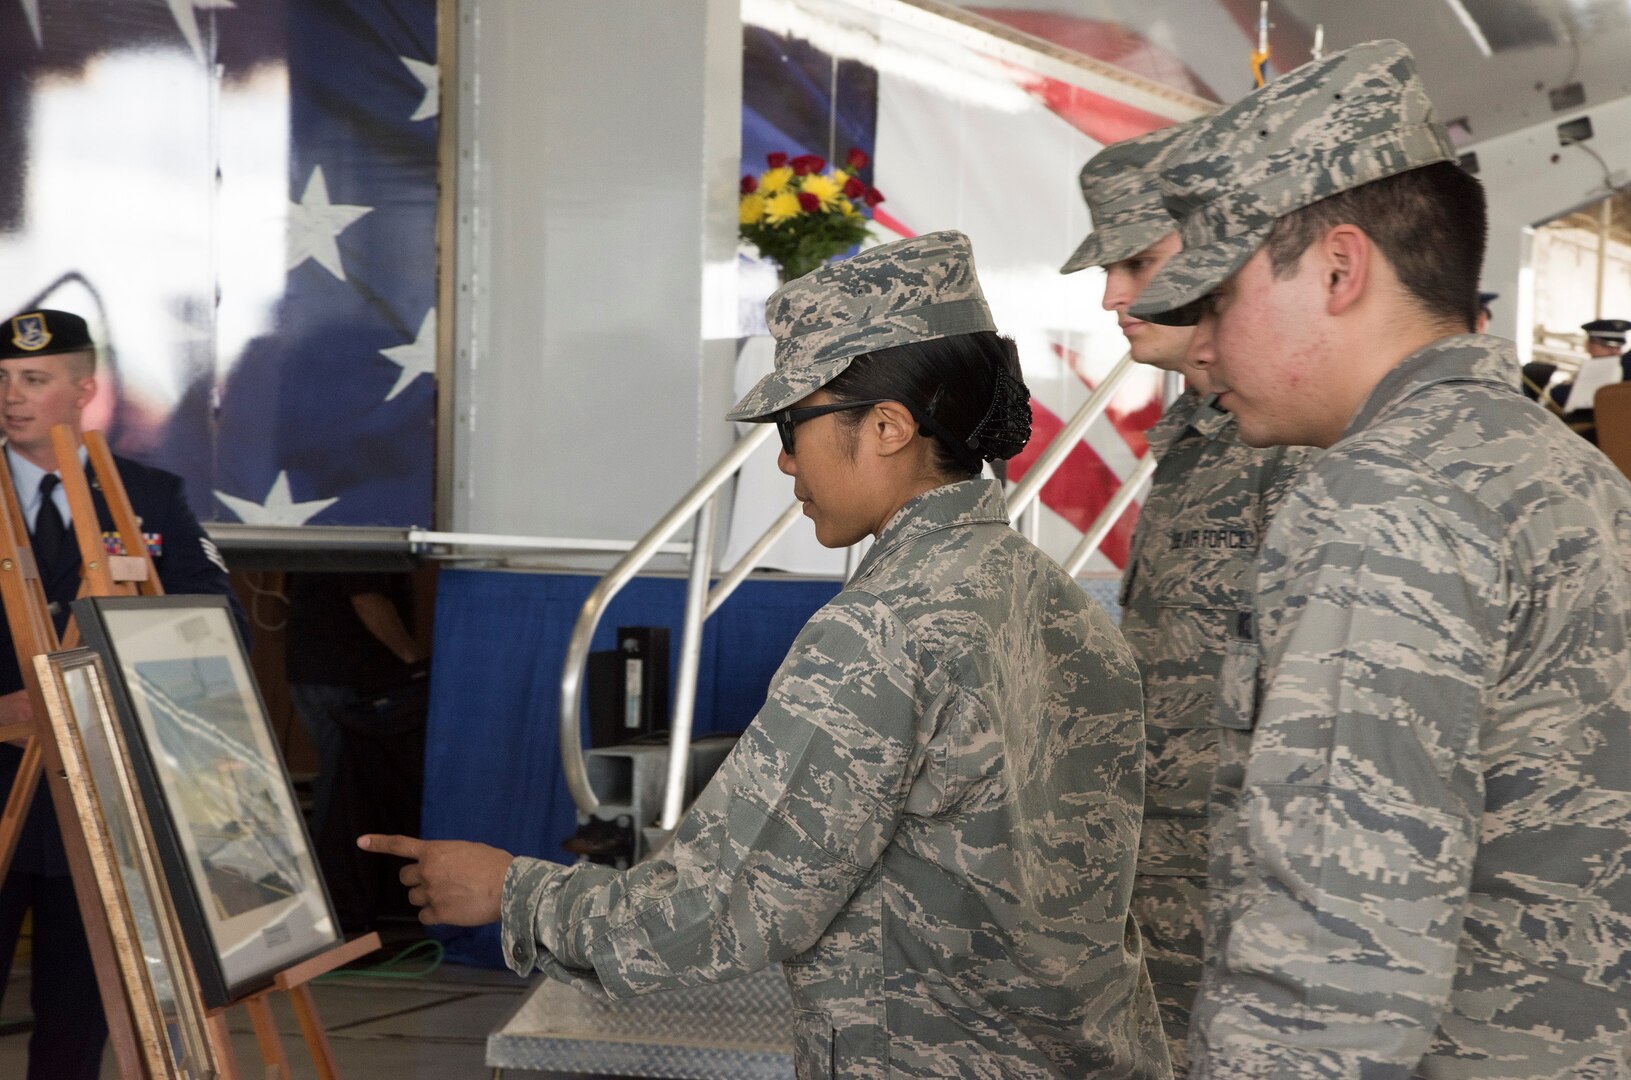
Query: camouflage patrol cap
[[1120, 185], [1355, 117], [893, 294]]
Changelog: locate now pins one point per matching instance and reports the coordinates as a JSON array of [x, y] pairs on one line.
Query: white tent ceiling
[[1489, 61]]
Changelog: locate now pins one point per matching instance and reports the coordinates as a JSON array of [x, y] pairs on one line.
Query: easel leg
[[305, 1010], [221, 1037], [266, 1037], [19, 802]]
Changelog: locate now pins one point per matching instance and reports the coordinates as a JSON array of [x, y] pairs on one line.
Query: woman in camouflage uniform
[[932, 822]]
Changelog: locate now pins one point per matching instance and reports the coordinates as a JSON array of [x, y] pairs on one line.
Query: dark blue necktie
[[49, 530]]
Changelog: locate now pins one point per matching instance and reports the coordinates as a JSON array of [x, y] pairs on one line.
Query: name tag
[[1213, 539]]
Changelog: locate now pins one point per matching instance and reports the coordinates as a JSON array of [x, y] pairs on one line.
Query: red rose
[[809, 203], [873, 196], [749, 185], [805, 164], [776, 161], [857, 159], [854, 188]]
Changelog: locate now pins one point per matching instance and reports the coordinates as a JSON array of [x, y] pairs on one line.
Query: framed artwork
[[247, 890], [165, 1002]]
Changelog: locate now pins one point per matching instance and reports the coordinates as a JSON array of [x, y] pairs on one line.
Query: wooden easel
[[34, 634]]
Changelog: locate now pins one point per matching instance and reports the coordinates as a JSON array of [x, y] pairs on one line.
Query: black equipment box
[[627, 687]]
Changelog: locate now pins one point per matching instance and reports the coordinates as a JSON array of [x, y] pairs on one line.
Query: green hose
[[397, 966]]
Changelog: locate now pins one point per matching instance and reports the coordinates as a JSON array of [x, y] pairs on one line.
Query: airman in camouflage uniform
[[932, 822], [1422, 861], [1189, 577]]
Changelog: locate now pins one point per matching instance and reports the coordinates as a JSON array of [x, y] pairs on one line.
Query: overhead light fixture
[[1574, 131], [1460, 131], [1568, 97]]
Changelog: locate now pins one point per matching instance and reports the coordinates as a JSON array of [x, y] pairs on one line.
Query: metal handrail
[[701, 502], [600, 598], [1111, 513], [752, 557], [685, 688], [1029, 488]]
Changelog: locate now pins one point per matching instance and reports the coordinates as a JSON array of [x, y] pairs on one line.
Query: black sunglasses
[[788, 418]]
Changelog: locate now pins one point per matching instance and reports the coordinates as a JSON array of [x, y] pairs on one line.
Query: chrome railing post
[[702, 504], [752, 557], [1109, 515], [1172, 385], [1041, 471], [583, 632], [685, 686]]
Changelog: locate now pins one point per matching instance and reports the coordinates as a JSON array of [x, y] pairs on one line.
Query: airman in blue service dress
[[69, 1028]]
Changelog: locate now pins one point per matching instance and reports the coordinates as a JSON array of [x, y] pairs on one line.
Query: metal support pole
[[1032, 519], [1042, 470], [1172, 387], [685, 685], [1110, 515], [754, 555], [1605, 219], [577, 647]]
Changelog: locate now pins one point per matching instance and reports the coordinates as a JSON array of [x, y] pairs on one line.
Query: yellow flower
[[825, 188], [775, 180], [847, 208], [782, 206], [751, 209]]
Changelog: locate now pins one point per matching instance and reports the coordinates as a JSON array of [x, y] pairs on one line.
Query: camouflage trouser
[[1171, 915]]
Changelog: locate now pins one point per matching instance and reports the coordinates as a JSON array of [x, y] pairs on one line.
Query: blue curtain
[[492, 769]]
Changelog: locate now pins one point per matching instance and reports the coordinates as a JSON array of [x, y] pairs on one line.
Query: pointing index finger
[[407, 847]]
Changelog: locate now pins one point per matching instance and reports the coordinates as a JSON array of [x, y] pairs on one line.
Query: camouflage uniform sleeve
[[774, 847], [1344, 875]]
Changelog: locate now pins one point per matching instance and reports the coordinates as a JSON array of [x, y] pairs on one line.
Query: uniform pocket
[[1236, 704], [812, 1045]]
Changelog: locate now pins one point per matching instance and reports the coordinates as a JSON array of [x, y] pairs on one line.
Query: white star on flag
[[416, 358], [279, 507], [430, 76], [31, 12], [315, 225], [187, 19]]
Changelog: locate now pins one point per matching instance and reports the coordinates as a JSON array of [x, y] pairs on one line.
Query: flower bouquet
[[799, 216]]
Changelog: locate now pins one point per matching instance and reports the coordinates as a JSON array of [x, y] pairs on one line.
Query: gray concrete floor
[[431, 1028]]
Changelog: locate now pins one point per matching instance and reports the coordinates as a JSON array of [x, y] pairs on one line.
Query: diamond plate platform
[[739, 1030]]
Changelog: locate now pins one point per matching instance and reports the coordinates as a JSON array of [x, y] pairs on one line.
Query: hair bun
[[1006, 427]]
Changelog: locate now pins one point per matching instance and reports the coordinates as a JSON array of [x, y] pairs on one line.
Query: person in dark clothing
[[47, 377], [359, 681], [348, 639]]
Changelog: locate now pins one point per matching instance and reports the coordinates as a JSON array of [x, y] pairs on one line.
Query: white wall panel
[[593, 351]]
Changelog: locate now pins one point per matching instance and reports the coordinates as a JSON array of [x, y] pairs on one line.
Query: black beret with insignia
[[44, 332]]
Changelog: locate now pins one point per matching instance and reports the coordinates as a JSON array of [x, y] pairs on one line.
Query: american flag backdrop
[[240, 195]]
